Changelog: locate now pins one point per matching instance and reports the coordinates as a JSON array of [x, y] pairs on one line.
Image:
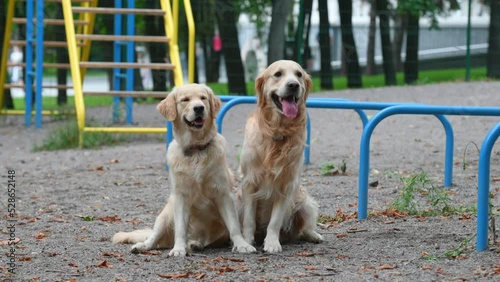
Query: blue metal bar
[[28, 83], [129, 101], [170, 137], [117, 57], [484, 187], [409, 109], [39, 63], [307, 149]]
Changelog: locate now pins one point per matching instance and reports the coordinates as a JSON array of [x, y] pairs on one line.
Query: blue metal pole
[[117, 57], [129, 101], [170, 137], [39, 63], [483, 193], [448, 155], [307, 149], [28, 83]]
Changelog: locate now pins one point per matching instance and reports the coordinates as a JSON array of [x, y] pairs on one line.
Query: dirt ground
[[123, 188]]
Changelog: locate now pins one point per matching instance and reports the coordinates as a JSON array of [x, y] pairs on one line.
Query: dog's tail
[[132, 237]]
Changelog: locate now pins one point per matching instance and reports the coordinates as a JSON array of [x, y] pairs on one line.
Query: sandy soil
[[125, 186]]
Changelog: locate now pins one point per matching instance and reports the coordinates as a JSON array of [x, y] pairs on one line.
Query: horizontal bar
[[152, 130], [49, 21], [137, 38], [147, 12], [142, 94], [108, 65]]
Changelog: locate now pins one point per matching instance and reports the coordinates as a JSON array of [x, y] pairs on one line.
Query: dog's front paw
[[312, 236], [177, 252], [139, 247], [244, 248], [272, 246], [248, 236]]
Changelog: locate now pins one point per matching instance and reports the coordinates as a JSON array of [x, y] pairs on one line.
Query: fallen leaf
[[341, 235], [26, 259], [440, 271], [104, 263], [342, 256], [307, 254], [113, 161], [73, 264], [496, 269], [110, 219], [113, 255], [426, 267], [386, 266], [311, 267], [72, 280], [34, 279], [459, 279], [200, 276], [120, 279], [235, 259], [465, 217], [40, 236], [263, 259], [152, 253], [175, 275]]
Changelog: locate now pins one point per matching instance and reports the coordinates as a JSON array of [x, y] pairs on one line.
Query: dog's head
[[285, 86], [191, 105]]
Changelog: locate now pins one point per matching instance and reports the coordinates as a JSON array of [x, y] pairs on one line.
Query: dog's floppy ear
[[214, 101], [308, 83], [259, 89], [168, 107]]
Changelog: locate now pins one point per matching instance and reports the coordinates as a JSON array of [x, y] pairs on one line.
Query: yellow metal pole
[[5, 51], [175, 19], [173, 47], [74, 66], [192, 42], [87, 29]]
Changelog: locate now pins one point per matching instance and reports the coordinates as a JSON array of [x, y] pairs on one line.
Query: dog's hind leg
[[309, 213], [162, 235]]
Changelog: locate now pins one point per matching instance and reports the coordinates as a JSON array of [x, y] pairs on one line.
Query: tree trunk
[[411, 62], [276, 41], [400, 26], [61, 58], [371, 68], [348, 45], [385, 39], [306, 53], [326, 75], [493, 62], [7, 97], [226, 20]]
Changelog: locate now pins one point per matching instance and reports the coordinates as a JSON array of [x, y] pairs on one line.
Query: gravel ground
[[124, 187]]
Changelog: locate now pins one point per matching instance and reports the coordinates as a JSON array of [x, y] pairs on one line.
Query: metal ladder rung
[[136, 94], [62, 44], [48, 21], [108, 65], [139, 38], [43, 86], [146, 12], [45, 65]]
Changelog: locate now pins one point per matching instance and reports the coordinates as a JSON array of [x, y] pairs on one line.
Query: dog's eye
[[277, 74], [185, 99], [203, 97], [299, 74]]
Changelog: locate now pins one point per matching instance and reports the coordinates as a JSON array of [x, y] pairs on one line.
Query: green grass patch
[[67, 137], [420, 197]]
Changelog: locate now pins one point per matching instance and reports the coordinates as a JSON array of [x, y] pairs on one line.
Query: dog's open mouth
[[196, 123], [288, 105]]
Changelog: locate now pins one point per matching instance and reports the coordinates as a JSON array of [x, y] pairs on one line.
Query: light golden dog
[[274, 206], [200, 210]]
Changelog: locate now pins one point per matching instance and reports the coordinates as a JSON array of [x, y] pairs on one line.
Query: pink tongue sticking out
[[290, 108]]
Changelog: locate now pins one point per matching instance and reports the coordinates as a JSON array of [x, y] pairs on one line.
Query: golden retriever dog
[[274, 206], [201, 208]]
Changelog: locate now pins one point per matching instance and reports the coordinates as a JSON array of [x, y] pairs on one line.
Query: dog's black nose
[[293, 85], [199, 109]]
